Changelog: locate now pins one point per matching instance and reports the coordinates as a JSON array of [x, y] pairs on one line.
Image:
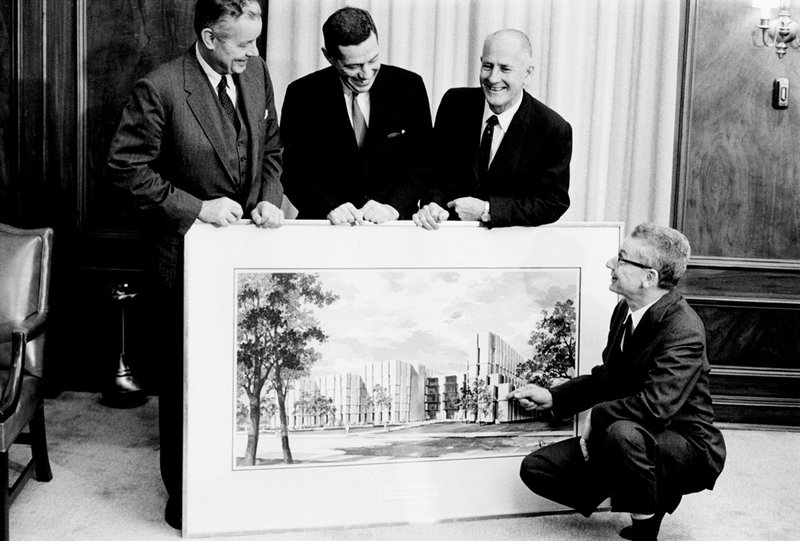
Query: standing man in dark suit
[[501, 156], [198, 139], [355, 134], [650, 436]]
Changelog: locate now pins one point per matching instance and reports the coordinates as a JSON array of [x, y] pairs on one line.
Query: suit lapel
[[202, 102], [333, 96], [378, 103], [474, 134], [516, 132], [644, 332], [252, 101]]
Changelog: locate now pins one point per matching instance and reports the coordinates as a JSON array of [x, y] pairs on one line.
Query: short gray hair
[[214, 13], [666, 250]]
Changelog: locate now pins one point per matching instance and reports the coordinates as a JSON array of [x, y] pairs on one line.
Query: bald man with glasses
[[650, 437]]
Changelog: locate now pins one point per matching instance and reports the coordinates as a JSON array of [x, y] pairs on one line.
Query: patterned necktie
[[486, 143], [359, 124], [227, 104]]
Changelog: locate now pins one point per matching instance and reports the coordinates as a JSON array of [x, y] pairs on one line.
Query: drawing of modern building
[[397, 392], [353, 396]]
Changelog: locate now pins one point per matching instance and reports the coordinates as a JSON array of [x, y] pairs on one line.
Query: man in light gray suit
[[198, 139]]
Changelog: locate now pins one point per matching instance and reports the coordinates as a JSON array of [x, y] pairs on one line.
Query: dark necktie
[[359, 124], [486, 143], [227, 104], [626, 336]]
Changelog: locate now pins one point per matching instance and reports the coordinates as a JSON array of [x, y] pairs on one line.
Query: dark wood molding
[[743, 280], [688, 22]]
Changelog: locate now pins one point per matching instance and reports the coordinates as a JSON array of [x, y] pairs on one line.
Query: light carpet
[[106, 487]]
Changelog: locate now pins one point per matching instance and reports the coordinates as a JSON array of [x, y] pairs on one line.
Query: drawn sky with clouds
[[432, 317]]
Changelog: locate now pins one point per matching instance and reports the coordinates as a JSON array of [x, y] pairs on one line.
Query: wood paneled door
[[738, 201]]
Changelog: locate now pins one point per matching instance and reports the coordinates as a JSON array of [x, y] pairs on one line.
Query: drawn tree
[[553, 342], [381, 401], [322, 406], [316, 406], [302, 405], [477, 397], [276, 334]]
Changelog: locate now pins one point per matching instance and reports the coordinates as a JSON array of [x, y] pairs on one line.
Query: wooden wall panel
[[737, 199], [9, 200], [741, 161], [66, 70], [751, 335], [124, 41]]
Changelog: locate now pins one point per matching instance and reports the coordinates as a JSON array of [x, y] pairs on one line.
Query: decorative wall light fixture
[[780, 32]]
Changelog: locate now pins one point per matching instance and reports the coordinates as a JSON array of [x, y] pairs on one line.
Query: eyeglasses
[[634, 263]]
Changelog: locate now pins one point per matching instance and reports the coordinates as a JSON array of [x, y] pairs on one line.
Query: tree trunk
[[252, 431], [287, 452]]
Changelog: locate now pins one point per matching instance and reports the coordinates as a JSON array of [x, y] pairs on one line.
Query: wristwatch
[[485, 217]]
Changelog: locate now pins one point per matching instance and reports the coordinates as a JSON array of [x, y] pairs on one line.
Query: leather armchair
[[24, 291]]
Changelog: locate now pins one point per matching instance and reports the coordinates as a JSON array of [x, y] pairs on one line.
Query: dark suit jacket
[[528, 180], [660, 381], [170, 153], [322, 165]]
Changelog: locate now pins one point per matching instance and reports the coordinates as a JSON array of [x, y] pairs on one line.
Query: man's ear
[[528, 72], [651, 278], [208, 38], [331, 60]]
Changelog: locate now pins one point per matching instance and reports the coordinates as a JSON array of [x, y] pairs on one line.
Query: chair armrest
[[10, 398], [32, 327]]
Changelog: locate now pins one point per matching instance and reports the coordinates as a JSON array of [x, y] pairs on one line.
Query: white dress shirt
[[500, 129]]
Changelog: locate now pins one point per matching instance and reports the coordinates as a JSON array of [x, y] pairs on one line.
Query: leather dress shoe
[[643, 530], [173, 513]]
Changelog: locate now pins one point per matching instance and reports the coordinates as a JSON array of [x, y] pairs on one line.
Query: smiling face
[[231, 44], [505, 67], [358, 64], [628, 279]]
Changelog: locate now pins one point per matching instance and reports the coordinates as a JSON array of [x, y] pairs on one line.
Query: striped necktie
[[359, 124]]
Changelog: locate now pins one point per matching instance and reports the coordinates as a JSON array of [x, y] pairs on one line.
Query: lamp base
[[125, 391]]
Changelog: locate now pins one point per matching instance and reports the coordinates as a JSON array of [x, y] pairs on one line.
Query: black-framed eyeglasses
[[634, 263]]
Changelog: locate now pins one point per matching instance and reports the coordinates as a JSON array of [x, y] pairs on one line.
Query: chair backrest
[[25, 256]]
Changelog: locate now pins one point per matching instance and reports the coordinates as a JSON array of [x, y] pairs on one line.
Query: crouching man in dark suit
[[500, 155], [650, 436], [356, 133]]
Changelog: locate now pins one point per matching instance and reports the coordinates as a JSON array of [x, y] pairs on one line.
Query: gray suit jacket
[[169, 152]]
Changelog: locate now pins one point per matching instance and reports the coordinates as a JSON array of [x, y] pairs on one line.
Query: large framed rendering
[[357, 375]]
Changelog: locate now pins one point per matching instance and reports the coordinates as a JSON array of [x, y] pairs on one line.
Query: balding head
[[506, 64]]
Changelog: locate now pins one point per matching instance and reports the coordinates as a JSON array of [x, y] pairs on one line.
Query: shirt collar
[[636, 316], [213, 77], [348, 92], [504, 118]]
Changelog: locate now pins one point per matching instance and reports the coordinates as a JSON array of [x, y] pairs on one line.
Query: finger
[[452, 203], [274, 220], [357, 217], [423, 219], [257, 218]]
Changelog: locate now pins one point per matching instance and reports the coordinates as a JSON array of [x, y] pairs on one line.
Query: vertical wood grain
[[742, 157]]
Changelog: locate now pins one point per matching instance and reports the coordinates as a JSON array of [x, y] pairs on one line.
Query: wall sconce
[[780, 32]]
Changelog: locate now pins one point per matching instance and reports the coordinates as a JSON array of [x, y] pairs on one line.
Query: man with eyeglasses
[[357, 133], [649, 437]]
